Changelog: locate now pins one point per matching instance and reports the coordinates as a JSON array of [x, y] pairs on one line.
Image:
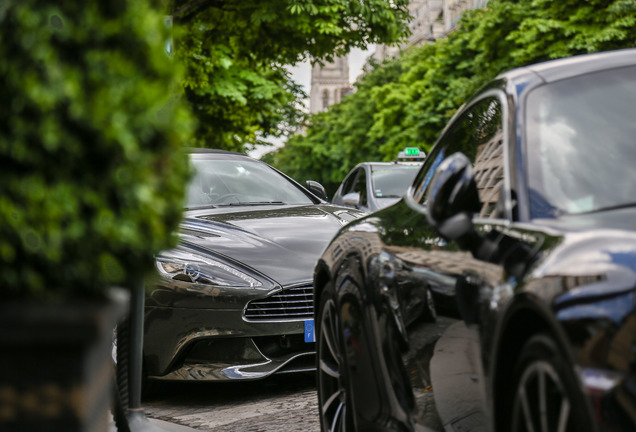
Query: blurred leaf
[[90, 144]]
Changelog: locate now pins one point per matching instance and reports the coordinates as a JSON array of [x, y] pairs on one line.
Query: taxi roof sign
[[412, 154]]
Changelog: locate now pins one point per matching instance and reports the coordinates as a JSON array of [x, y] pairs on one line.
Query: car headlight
[[196, 269]]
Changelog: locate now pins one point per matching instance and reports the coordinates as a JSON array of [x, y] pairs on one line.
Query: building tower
[[432, 19], [329, 83]]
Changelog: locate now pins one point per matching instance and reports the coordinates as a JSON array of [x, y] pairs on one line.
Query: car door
[[385, 265], [449, 268], [479, 133]]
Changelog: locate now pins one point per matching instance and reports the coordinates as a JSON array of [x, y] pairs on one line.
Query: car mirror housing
[[351, 199], [316, 189], [453, 189], [452, 197]]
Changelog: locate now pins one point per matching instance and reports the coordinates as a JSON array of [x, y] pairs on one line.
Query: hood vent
[[289, 304]]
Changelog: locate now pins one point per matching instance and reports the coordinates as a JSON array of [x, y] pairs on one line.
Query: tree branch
[[193, 7]]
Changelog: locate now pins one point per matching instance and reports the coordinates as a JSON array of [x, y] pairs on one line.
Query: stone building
[[329, 83], [432, 19]]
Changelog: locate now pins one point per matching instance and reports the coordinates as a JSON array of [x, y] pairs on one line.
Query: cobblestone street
[[286, 403]]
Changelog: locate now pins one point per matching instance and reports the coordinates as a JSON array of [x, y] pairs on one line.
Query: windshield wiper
[[609, 208], [256, 203]]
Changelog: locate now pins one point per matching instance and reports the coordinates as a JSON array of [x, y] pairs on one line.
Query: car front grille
[[290, 303]]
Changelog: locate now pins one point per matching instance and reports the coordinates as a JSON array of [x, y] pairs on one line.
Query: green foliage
[[90, 146], [411, 109], [236, 100], [313, 156], [235, 54]]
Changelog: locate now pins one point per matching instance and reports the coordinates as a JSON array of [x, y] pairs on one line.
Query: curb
[[172, 427], [455, 375], [155, 425]]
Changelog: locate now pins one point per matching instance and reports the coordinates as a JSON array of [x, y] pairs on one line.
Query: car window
[[349, 183], [361, 187], [235, 181], [478, 133], [392, 181], [581, 144]]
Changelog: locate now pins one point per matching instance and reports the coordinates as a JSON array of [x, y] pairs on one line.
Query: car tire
[[119, 408], [333, 394], [546, 395], [119, 402]]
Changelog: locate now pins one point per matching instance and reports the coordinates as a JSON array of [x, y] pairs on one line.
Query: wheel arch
[[374, 405], [523, 319], [322, 276], [325, 273]]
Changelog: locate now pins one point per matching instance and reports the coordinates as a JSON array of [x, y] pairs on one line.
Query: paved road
[[282, 403]]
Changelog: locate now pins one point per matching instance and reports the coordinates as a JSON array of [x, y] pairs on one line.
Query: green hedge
[[92, 174]]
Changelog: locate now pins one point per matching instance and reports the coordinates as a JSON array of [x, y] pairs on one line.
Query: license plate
[[310, 336]]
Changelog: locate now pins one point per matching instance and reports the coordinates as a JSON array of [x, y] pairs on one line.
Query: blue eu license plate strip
[[310, 336]]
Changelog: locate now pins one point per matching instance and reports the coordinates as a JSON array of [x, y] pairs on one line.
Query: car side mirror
[[452, 198], [317, 189], [352, 199]]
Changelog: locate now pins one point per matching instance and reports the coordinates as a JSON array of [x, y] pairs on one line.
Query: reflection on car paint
[[548, 303]]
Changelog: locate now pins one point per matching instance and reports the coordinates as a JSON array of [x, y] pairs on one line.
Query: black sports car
[[234, 300], [525, 210]]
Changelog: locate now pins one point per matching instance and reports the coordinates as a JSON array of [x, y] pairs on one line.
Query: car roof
[[198, 150], [389, 164], [558, 69]]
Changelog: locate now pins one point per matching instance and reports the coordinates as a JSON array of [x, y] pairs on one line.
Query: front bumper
[[253, 365], [219, 344]]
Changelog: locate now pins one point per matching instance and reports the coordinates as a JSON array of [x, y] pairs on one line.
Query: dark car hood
[[280, 242]]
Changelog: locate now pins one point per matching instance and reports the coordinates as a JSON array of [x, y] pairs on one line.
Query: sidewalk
[[172, 427], [156, 425], [455, 376]]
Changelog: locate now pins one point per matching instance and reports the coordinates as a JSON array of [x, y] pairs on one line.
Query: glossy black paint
[[201, 331], [571, 279]]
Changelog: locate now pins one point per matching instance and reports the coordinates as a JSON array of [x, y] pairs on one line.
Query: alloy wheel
[[541, 402], [332, 393]]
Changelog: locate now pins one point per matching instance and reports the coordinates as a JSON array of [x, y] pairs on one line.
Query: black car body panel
[[237, 307], [554, 294]]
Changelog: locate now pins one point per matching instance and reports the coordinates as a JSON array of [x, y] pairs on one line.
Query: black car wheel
[[119, 402], [332, 387], [546, 397]]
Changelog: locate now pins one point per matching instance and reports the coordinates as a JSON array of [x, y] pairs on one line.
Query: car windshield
[[226, 181], [582, 144], [392, 181]]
